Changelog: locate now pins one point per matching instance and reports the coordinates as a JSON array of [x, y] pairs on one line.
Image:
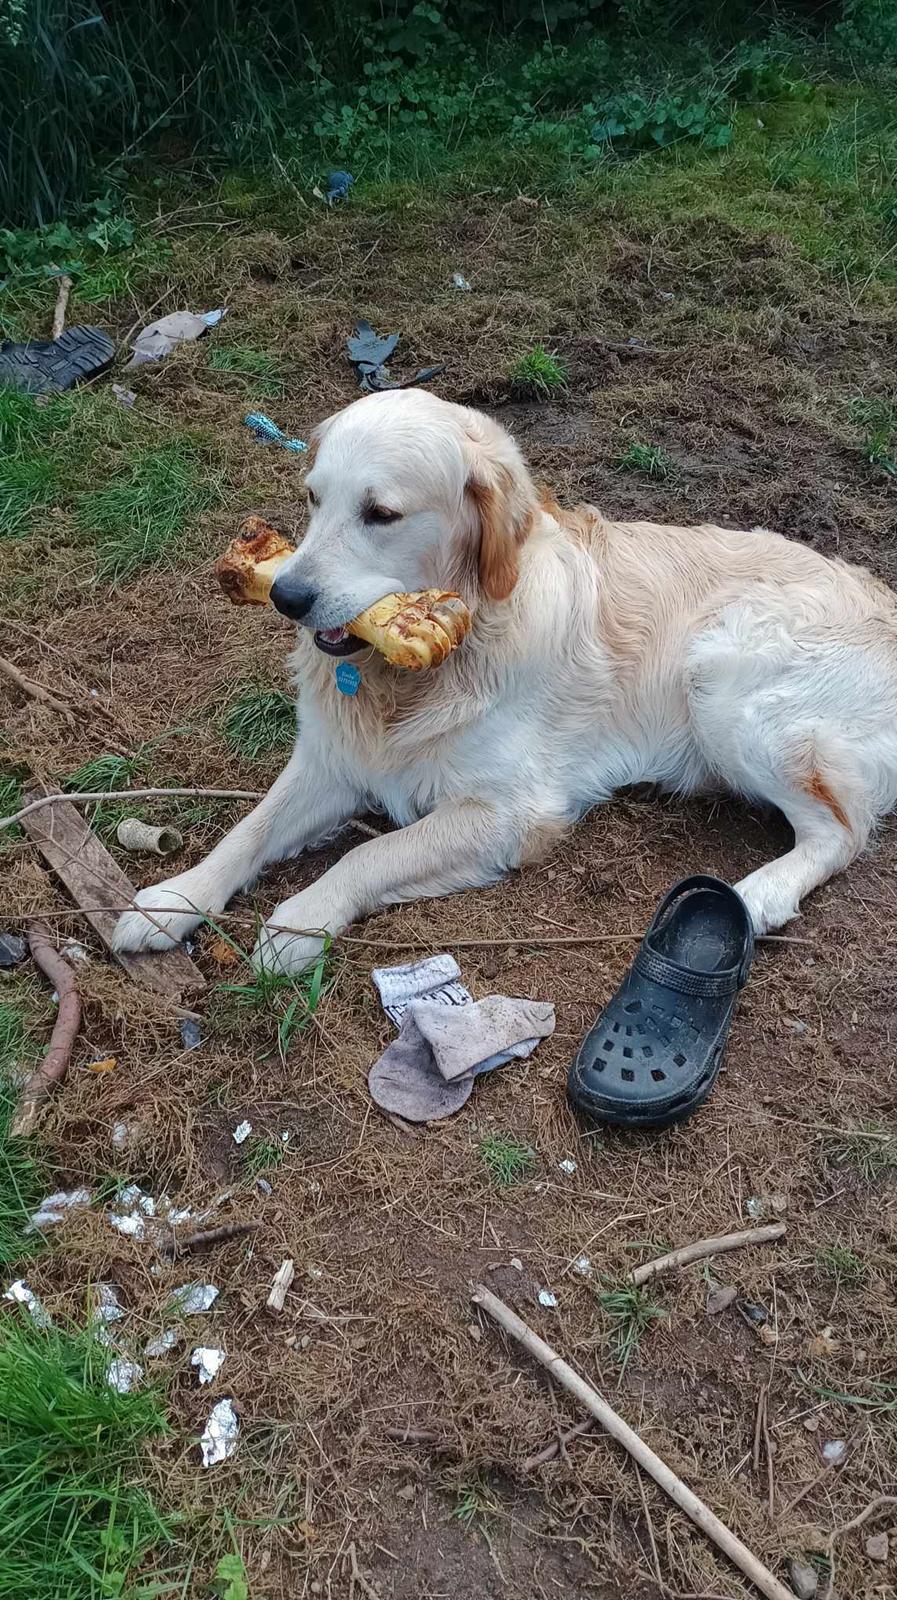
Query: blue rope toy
[[338, 186], [267, 432]]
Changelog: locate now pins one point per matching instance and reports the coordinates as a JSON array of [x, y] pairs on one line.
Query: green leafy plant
[[230, 1578], [647, 458], [631, 1313], [258, 721], [539, 372], [638, 119], [506, 1160]]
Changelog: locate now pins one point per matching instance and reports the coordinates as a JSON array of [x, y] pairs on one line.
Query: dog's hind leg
[[307, 802], [830, 828]]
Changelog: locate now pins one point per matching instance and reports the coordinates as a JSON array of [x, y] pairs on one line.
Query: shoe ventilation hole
[[646, 1050], [627, 1052], [616, 1027], [600, 1064], [628, 1031], [657, 1075], [627, 1074], [608, 1045], [679, 1059], [633, 1006]]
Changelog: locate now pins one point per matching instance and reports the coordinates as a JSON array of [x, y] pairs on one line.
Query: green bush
[[87, 92]]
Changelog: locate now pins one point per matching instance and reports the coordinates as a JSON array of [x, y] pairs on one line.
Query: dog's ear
[[504, 503]]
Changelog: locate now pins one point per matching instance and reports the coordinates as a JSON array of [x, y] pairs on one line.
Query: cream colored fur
[[602, 654]]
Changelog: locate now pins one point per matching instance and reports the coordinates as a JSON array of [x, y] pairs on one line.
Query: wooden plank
[[100, 890]]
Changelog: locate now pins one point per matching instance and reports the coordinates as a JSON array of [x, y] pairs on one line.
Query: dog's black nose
[[292, 599]]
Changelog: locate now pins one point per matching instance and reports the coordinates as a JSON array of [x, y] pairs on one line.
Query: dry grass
[[750, 394]]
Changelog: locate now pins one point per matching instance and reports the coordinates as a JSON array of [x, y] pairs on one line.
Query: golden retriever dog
[[601, 654]]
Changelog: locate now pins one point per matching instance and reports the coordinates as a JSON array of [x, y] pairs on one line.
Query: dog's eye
[[380, 515]]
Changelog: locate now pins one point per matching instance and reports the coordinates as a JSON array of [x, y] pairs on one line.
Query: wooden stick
[[880, 1503], [207, 1236], [703, 1248], [59, 310], [35, 691], [414, 1436], [283, 1277], [549, 1451], [96, 883], [55, 1064], [613, 1423], [95, 796]]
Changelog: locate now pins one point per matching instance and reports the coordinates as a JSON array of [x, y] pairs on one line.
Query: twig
[[207, 1236], [613, 1423], [35, 691], [414, 1436], [357, 1576], [880, 1502], [62, 300], [532, 938], [703, 1248], [283, 1277], [54, 1066], [553, 1448], [95, 796]]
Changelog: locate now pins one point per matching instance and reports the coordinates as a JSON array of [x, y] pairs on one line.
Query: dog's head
[[405, 492]]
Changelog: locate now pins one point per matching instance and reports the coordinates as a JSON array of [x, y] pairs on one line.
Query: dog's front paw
[[292, 938], [163, 915]]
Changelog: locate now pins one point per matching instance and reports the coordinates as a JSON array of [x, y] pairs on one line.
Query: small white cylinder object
[[132, 834]]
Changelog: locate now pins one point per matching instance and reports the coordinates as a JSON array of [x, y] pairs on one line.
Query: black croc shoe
[[44, 366], [653, 1055]]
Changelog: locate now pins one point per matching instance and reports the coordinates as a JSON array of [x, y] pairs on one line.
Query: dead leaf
[[823, 1344], [223, 953], [108, 1064]]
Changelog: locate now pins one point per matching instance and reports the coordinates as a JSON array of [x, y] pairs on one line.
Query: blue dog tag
[[348, 678]]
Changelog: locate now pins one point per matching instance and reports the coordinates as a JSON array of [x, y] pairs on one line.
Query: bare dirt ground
[[743, 376]]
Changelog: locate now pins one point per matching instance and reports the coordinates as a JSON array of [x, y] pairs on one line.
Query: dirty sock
[[407, 1081], [485, 1034], [435, 978], [428, 1071]]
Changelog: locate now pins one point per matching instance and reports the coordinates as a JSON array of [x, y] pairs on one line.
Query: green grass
[[842, 1264], [869, 1147], [506, 1160], [648, 459], [474, 1506], [101, 772], [28, 466], [76, 1523], [259, 721], [138, 517], [263, 1155], [538, 372], [631, 1313], [878, 420], [291, 1000], [10, 802], [263, 371], [21, 1174]]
